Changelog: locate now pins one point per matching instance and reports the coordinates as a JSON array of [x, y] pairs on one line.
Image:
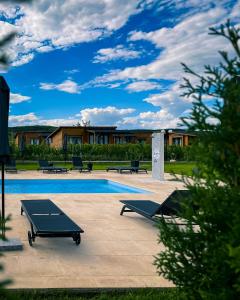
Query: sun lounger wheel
[[77, 239], [30, 239]]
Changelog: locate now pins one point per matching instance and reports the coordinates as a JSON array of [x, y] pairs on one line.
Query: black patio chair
[[11, 166], [47, 167], [78, 165], [135, 165], [47, 221], [170, 209]]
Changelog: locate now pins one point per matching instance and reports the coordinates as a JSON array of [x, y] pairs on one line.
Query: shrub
[[205, 261], [101, 152]]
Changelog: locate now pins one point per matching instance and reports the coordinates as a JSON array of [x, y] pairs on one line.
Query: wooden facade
[[102, 135], [179, 137], [31, 137]]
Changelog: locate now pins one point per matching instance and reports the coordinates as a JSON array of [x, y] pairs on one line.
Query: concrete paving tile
[[116, 251]]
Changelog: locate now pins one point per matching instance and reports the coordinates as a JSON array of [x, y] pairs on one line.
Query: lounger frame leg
[[30, 240], [77, 238], [125, 210], [122, 210], [21, 210], [32, 232]]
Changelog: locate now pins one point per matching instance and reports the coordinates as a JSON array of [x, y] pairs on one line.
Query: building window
[[118, 140], [141, 141], [91, 139], [74, 140], [102, 139], [177, 141], [34, 141], [129, 139]]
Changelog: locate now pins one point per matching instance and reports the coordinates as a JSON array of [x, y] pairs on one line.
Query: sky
[[110, 62]]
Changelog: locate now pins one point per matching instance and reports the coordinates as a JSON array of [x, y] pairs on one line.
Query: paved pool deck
[[115, 252]]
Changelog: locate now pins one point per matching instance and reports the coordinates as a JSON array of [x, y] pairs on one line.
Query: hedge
[[101, 152]]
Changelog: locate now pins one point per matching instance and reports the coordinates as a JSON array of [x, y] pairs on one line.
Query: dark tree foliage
[[204, 260]]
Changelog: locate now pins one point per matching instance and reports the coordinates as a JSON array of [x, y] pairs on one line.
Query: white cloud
[[68, 86], [190, 7], [18, 98], [188, 42], [57, 122], [139, 86], [170, 99], [119, 52], [31, 119], [109, 115], [152, 120], [235, 12], [22, 60], [45, 49], [48, 24], [6, 28], [18, 120], [73, 71], [7, 11], [104, 116]]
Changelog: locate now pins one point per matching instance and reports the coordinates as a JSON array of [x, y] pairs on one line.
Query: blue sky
[[110, 62]]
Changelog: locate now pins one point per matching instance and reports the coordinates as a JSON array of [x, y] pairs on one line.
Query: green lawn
[[176, 167], [184, 168], [144, 294]]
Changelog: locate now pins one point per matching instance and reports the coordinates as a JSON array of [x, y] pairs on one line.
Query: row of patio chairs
[[47, 220], [48, 167], [77, 162]]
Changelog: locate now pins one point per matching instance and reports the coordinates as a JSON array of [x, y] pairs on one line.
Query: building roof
[[114, 130], [102, 128], [136, 130], [180, 131], [41, 133]]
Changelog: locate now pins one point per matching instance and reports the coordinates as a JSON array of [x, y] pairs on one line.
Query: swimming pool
[[71, 186]]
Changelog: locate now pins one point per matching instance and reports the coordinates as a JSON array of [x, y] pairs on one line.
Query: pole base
[[11, 245]]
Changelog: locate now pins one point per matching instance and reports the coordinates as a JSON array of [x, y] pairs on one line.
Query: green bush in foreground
[[206, 261], [140, 294]]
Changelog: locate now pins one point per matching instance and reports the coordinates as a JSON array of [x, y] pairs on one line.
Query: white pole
[[158, 155]]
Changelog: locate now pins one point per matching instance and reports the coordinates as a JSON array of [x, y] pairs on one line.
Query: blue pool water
[[72, 186]]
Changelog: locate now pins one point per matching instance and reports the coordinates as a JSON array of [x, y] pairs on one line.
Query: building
[[97, 135], [111, 135], [30, 137], [179, 137], [102, 135]]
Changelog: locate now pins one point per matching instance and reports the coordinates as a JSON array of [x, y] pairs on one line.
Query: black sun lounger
[[171, 207], [46, 167], [120, 169], [11, 166], [47, 220], [133, 168]]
